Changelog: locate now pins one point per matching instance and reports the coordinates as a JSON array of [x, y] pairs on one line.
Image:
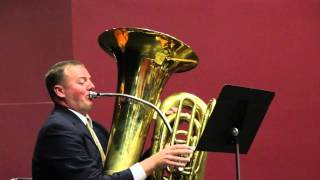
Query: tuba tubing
[[94, 95], [195, 121]]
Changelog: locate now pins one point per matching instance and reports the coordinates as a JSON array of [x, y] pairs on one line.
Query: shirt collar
[[80, 116]]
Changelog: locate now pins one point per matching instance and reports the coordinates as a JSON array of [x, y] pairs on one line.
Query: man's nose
[[91, 86]]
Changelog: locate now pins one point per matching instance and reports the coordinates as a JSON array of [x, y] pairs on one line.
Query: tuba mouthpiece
[[93, 94]]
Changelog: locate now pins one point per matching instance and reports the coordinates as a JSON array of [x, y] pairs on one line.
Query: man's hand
[[175, 156]]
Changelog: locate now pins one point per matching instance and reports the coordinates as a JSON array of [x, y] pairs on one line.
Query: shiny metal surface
[[188, 125], [146, 59]]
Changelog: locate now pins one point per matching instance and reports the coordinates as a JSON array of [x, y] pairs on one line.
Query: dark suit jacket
[[65, 150]]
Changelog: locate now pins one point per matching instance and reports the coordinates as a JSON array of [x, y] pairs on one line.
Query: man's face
[[75, 89]]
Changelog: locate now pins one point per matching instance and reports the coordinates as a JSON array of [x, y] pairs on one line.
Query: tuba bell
[[146, 59]]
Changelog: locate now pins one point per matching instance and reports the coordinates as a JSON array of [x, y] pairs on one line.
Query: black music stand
[[235, 121]]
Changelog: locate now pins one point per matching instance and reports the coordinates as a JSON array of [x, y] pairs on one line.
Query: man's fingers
[[177, 155], [179, 159], [180, 152], [176, 163]]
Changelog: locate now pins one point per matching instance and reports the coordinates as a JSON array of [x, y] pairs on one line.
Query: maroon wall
[[270, 45], [33, 35]]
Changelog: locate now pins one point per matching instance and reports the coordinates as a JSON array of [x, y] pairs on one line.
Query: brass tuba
[[146, 59]]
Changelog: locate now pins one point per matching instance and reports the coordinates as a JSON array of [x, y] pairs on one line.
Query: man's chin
[[87, 108]]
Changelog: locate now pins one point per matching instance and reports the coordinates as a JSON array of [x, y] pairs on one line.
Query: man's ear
[[59, 90]]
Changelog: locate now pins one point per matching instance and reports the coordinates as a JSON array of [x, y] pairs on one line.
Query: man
[[71, 147]]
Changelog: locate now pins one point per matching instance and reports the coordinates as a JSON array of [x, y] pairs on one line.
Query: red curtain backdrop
[[33, 35], [270, 45]]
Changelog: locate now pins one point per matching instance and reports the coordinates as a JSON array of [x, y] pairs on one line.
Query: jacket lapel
[[76, 121]]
